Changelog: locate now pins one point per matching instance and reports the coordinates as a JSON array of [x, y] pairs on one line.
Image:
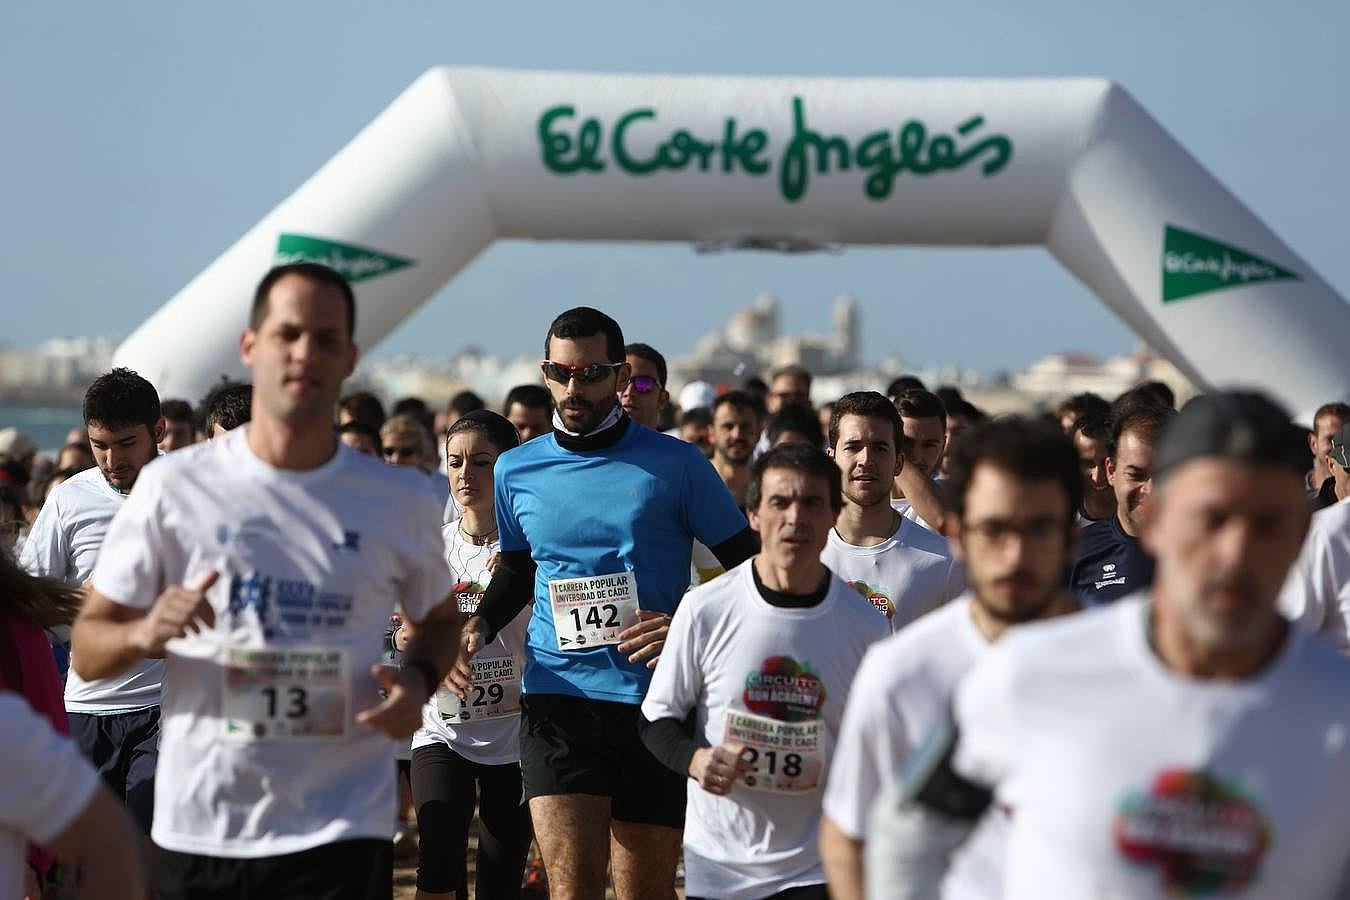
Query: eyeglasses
[[996, 533], [590, 374], [644, 384], [401, 452]]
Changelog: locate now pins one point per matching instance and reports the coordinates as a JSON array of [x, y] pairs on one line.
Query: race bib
[[284, 694], [785, 757], [590, 612], [495, 693]]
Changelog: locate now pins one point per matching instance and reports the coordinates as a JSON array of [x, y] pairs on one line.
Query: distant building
[[1062, 374], [437, 382], [58, 370], [750, 344]]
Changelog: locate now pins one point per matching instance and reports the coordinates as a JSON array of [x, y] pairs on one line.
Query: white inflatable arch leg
[[466, 156]]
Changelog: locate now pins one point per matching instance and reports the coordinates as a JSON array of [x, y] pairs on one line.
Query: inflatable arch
[[465, 156]]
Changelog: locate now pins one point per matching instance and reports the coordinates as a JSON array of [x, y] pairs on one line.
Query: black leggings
[[445, 787]]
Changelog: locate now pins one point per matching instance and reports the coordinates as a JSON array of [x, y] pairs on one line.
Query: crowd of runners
[[750, 647]]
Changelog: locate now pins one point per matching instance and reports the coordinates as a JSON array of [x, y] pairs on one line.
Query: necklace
[[477, 539]]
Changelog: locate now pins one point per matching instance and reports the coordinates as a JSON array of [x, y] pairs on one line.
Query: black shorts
[[361, 869], [572, 745]]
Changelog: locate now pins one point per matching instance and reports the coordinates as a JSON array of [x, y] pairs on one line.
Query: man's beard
[[1024, 611], [1217, 634], [592, 415], [882, 490]]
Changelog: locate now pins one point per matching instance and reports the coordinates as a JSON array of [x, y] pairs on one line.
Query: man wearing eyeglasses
[[1015, 491], [1187, 741], [596, 523], [645, 395]]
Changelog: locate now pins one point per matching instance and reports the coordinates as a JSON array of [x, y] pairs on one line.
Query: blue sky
[[142, 139]]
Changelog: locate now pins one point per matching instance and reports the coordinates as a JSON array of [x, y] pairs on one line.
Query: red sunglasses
[[588, 374]]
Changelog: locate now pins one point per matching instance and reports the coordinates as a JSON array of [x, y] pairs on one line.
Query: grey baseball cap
[[1240, 425]]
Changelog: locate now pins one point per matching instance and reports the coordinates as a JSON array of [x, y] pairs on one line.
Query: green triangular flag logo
[[1194, 264], [352, 262]]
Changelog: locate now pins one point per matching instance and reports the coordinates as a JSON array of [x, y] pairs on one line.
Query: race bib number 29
[[494, 694], [281, 694], [591, 612]]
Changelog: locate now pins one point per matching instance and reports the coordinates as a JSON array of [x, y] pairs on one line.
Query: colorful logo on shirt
[[290, 606], [785, 690], [1204, 835], [876, 597], [468, 594]]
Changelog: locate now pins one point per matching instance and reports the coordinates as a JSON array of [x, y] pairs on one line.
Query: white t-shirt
[[1129, 780], [1316, 594], [742, 663], [440, 488], [44, 785], [910, 573], [906, 509], [903, 689], [260, 754], [64, 544], [486, 730]]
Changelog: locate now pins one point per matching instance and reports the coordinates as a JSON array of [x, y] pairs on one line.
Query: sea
[[45, 425]]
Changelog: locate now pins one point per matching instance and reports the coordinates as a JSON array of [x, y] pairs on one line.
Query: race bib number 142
[[591, 612]]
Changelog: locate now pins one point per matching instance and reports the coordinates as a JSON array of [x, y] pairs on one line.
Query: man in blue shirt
[[1111, 563], [597, 522]]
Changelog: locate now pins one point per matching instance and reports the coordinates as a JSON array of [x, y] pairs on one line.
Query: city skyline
[[749, 342]]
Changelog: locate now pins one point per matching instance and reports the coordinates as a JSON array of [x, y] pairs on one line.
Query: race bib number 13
[[282, 694], [590, 612]]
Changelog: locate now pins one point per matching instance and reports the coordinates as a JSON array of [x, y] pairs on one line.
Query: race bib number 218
[[784, 757]]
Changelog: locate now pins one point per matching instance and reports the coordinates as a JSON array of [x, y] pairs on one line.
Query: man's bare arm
[[923, 494], [842, 857], [109, 638]]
